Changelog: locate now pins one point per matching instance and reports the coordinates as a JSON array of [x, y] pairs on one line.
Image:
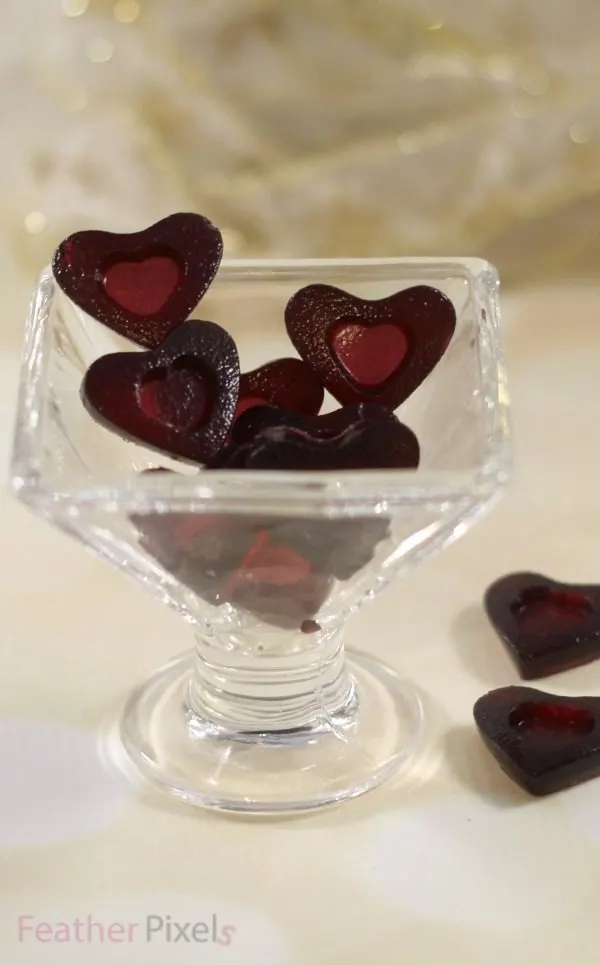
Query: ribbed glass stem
[[236, 691]]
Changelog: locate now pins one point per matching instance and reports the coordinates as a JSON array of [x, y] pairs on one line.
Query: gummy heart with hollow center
[[381, 444], [288, 383], [542, 741], [179, 398], [371, 351], [547, 626], [143, 284]]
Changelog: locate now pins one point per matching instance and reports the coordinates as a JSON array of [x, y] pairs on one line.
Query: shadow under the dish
[[480, 649], [475, 768]]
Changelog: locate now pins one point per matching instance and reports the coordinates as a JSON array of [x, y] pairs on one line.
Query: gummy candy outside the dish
[[544, 742], [547, 626], [281, 570]]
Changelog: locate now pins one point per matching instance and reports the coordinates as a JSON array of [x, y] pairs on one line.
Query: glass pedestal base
[[333, 759]]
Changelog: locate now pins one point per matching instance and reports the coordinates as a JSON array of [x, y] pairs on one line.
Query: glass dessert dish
[[269, 712]]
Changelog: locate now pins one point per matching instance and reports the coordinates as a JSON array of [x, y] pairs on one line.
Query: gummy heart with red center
[[546, 626], [144, 284], [200, 550], [288, 383], [281, 605], [380, 444], [542, 741], [278, 584], [179, 398], [268, 562], [243, 561], [371, 351], [338, 547]]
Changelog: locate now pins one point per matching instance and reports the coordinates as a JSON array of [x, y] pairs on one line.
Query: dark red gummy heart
[[329, 425], [179, 398], [546, 626], [269, 563], [283, 606], [542, 741], [276, 583], [280, 569], [376, 351], [144, 284], [381, 444], [288, 383], [242, 561], [338, 547]]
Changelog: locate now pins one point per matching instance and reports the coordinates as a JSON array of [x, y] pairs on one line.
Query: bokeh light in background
[[346, 127]]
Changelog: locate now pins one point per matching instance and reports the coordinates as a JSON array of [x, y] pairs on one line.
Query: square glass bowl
[[268, 713]]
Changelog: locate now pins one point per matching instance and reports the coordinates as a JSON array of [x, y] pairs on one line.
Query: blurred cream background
[[320, 127]]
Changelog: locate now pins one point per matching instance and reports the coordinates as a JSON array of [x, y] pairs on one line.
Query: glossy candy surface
[[279, 569], [179, 398], [355, 437], [369, 354], [371, 351], [542, 741], [287, 383], [143, 284], [546, 626]]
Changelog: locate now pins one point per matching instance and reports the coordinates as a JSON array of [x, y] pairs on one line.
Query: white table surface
[[456, 866]]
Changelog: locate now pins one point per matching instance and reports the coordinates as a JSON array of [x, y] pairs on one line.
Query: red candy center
[[541, 610], [143, 286], [249, 402], [188, 527], [268, 563], [369, 355], [277, 566], [179, 399], [555, 718]]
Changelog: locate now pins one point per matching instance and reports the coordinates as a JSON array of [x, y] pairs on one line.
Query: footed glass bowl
[[268, 712]]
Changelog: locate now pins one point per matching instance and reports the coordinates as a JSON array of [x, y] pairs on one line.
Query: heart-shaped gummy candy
[[144, 284], [179, 398], [543, 742], [338, 547], [288, 383], [546, 626], [371, 351], [384, 443], [241, 560], [328, 425], [277, 583]]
